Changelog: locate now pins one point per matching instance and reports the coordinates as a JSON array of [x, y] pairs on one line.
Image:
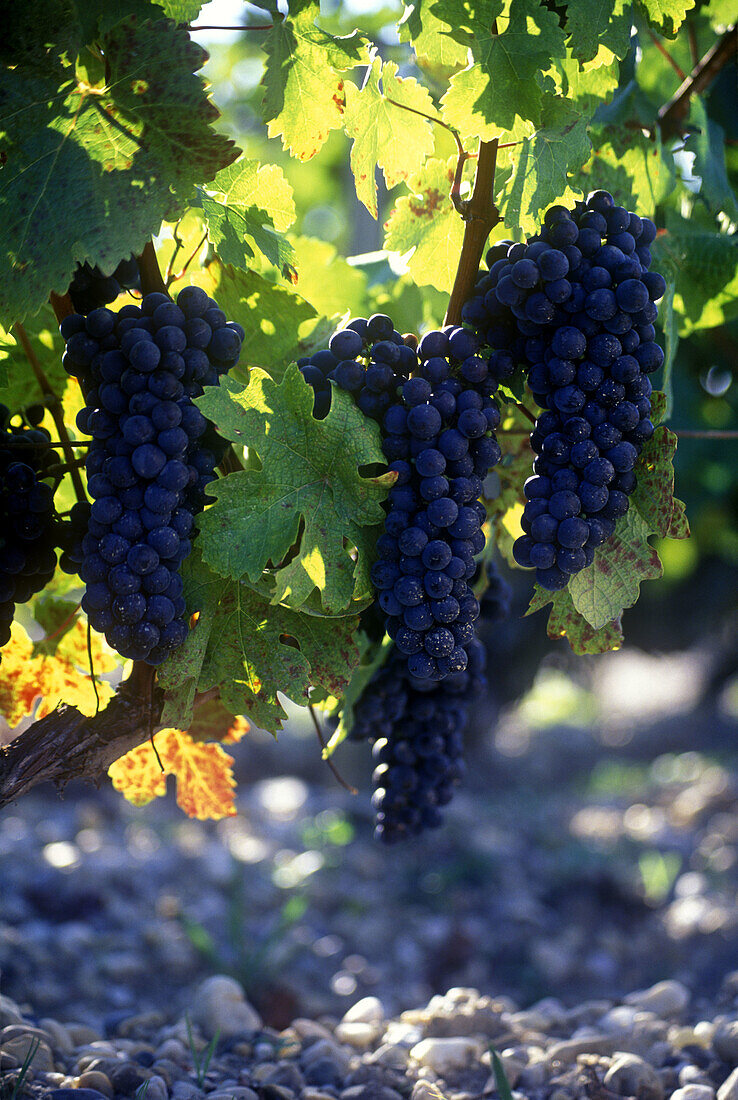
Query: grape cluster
[[368, 359], [151, 458], [417, 729], [576, 306], [438, 419], [27, 558], [90, 289]]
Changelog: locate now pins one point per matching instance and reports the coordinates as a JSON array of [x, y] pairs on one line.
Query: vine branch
[[481, 217], [54, 406], [672, 115]]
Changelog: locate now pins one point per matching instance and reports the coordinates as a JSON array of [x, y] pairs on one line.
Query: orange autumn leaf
[[205, 783], [24, 679]]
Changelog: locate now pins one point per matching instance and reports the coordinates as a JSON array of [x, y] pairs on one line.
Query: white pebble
[[729, 1088], [369, 1010], [668, 998], [220, 1005], [442, 1055]]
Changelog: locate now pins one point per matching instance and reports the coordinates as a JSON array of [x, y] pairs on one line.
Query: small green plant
[[140, 1093], [201, 1059], [6, 1093], [503, 1085]]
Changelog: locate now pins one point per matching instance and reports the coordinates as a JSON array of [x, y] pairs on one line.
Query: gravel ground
[[582, 862]]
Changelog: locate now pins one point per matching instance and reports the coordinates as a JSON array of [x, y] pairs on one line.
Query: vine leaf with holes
[[131, 142], [252, 651], [308, 512], [203, 772]]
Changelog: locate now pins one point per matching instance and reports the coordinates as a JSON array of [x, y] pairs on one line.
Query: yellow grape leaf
[[25, 679], [205, 782]]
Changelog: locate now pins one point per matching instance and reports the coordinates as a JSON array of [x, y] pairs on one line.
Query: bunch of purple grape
[[576, 306], [438, 430], [27, 558], [152, 456], [417, 730], [90, 289]]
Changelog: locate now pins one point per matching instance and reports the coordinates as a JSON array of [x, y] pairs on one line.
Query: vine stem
[[672, 115], [346, 786], [55, 408], [481, 216], [665, 53]]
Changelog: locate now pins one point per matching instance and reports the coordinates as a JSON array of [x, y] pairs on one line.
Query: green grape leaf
[[277, 321], [248, 206], [721, 13], [598, 30], [612, 582], [566, 622], [587, 88], [21, 387], [706, 268], [385, 135], [638, 172], [428, 32], [707, 142], [426, 224], [251, 651], [666, 16], [306, 511], [129, 147], [372, 659], [304, 92], [326, 280], [181, 11], [499, 88], [541, 165]]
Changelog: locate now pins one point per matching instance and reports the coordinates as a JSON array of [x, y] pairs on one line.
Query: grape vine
[[268, 471]]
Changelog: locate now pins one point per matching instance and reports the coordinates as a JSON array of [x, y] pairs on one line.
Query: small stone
[[725, 1041], [568, 1050], [220, 1006], [694, 1092], [629, 1075], [186, 1090], [9, 1012], [323, 1072], [621, 1018], [156, 1088], [128, 1077], [93, 1079], [369, 1092], [325, 1048], [285, 1073], [81, 1035], [394, 1055], [729, 1088], [311, 1029], [59, 1035], [426, 1090], [443, 1055], [7, 1061], [74, 1094], [357, 1035], [234, 1092], [276, 1092], [30, 1046], [369, 1010], [316, 1094], [668, 998]]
